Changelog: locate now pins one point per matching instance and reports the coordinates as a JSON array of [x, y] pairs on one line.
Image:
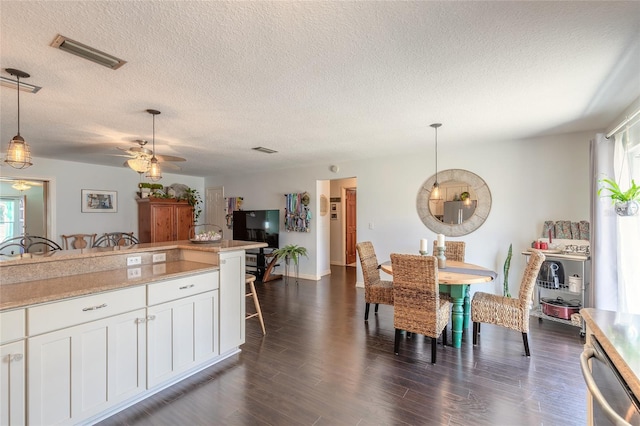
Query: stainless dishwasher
[[611, 400]]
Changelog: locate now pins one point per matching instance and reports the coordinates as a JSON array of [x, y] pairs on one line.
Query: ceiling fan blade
[[169, 158], [169, 166]]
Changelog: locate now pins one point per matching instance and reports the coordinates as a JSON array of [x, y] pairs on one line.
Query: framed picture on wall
[[334, 216], [99, 201], [334, 207]]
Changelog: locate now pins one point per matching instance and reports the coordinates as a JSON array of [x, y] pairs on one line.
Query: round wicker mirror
[[460, 218]]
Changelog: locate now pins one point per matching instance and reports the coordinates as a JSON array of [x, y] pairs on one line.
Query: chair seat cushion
[[500, 310]]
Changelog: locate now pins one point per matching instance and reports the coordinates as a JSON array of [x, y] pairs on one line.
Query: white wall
[[530, 181], [69, 178]]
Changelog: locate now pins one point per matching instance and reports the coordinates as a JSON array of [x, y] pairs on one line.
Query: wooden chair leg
[[257, 304], [433, 349], [366, 311], [396, 342], [525, 340], [476, 328], [376, 311]]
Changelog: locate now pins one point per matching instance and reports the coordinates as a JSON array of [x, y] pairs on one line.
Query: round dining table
[[456, 280]]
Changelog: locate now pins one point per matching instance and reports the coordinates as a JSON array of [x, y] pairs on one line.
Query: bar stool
[[250, 279]]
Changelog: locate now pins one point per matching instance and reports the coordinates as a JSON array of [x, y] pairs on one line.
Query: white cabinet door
[[12, 384], [181, 335], [232, 300], [77, 372]]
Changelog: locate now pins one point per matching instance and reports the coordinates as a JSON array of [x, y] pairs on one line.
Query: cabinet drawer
[[54, 316], [182, 287], [12, 326]]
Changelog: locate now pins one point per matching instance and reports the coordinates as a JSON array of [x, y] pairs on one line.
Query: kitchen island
[[90, 332]]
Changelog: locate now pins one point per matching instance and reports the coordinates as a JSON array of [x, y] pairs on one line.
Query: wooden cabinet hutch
[[162, 219]]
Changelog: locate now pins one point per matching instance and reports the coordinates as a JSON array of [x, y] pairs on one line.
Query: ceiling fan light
[[18, 154], [139, 165], [154, 173]]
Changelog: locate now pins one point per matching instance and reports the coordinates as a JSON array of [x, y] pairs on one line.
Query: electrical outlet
[[134, 273], [371, 225], [134, 260], [159, 257]]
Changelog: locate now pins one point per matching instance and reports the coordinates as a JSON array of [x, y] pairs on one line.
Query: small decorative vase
[[442, 259], [628, 208]]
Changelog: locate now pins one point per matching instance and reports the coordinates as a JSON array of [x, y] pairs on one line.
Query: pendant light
[[154, 173], [435, 191], [18, 154]]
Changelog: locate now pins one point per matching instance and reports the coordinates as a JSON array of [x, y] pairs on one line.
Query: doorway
[[350, 226], [342, 241]]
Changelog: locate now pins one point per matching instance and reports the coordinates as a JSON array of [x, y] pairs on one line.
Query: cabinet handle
[[141, 320], [187, 286], [93, 308], [151, 317]]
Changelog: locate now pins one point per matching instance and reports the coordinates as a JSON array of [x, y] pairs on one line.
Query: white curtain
[[615, 239]]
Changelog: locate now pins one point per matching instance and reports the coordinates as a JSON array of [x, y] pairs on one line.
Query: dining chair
[[375, 290], [78, 241], [512, 313], [114, 239], [453, 250], [417, 305], [28, 244]]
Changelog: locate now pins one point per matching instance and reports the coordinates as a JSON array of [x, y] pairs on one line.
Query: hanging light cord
[[18, 78], [153, 154], [436, 127]]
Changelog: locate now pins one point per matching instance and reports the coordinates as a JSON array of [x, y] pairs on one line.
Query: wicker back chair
[[453, 250], [417, 305], [375, 290], [506, 311]]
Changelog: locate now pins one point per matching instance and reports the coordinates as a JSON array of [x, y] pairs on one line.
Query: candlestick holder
[[442, 259], [424, 252]]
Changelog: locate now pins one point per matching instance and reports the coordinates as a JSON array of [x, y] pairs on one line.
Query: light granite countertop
[[619, 336], [52, 256], [32, 279], [48, 290]]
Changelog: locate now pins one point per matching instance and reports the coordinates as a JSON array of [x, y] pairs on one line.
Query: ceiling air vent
[[263, 149], [94, 55]]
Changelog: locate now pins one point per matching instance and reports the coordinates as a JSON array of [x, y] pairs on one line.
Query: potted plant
[[193, 198], [145, 189], [627, 202], [291, 252]]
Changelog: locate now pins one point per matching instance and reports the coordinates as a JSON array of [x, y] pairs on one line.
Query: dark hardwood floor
[[321, 364]]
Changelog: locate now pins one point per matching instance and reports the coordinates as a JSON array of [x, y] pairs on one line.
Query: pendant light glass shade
[[21, 185], [154, 173], [435, 191], [18, 153]]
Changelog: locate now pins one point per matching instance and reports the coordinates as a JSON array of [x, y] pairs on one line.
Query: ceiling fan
[[140, 158], [21, 184]]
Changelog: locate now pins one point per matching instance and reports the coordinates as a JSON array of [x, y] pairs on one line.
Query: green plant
[[507, 265], [193, 198], [291, 251], [144, 185], [618, 195]]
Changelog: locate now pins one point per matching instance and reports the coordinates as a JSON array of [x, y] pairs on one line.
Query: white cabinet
[[81, 370], [12, 384], [232, 294], [12, 368], [181, 335]]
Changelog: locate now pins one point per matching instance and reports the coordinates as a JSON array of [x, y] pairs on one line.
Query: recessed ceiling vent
[[263, 149], [94, 55]]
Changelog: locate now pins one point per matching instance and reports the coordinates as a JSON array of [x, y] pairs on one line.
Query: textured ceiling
[[320, 82]]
